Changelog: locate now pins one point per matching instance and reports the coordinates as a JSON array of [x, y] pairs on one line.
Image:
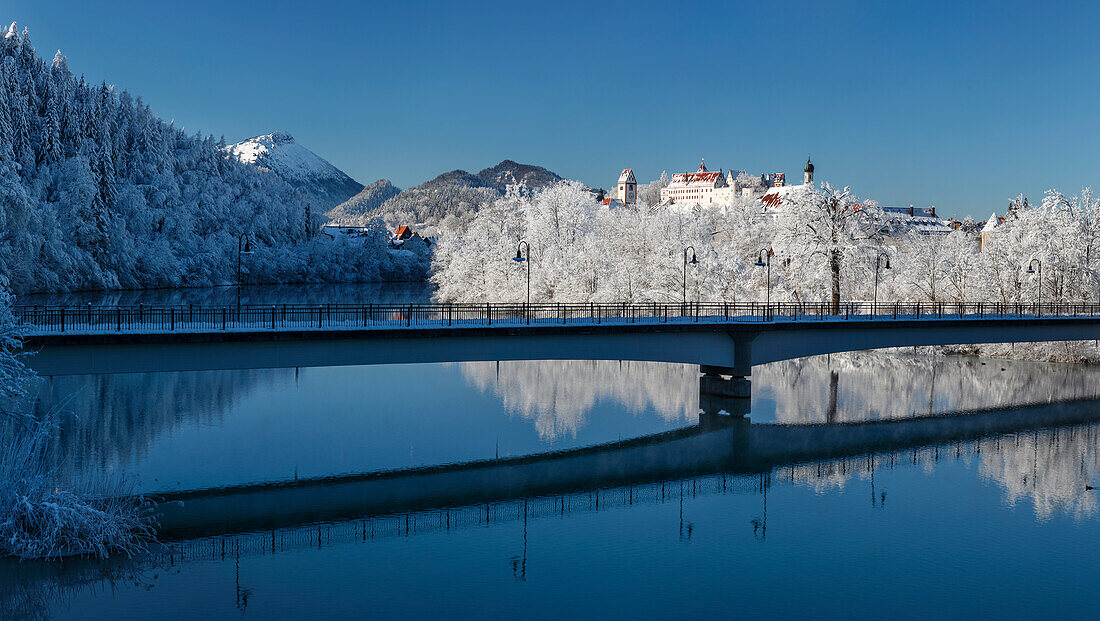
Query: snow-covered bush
[[42, 515]]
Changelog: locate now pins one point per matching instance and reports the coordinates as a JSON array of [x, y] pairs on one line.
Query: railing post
[[62, 319]]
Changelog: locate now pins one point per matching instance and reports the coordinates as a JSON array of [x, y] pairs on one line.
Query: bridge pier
[[717, 393]]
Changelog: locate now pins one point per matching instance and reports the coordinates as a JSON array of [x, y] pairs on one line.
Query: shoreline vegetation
[[44, 515]]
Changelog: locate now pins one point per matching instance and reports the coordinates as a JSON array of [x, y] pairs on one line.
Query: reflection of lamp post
[[522, 257], [878, 262], [1038, 285], [764, 259], [693, 261], [519, 564], [244, 246], [760, 524]]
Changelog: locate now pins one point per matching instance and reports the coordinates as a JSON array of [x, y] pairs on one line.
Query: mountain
[[448, 201], [97, 192], [510, 173], [278, 153], [367, 200]]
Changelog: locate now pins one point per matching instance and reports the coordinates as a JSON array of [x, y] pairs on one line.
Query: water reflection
[[557, 395], [114, 419]]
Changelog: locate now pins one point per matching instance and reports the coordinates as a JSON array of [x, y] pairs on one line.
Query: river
[[993, 524]]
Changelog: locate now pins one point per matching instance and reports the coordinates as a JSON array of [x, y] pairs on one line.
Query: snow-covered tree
[[817, 231]]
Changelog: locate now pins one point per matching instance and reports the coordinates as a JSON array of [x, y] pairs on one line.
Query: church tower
[[808, 173], [628, 188]]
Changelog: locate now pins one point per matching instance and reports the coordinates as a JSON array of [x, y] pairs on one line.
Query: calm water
[[973, 524]]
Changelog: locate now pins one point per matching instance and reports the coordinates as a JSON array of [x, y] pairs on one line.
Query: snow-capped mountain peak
[[278, 153]]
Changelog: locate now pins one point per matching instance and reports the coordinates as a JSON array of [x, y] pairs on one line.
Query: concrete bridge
[[717, 445], [725, 340]]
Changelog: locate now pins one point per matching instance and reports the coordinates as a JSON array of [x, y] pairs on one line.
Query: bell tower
[[627, 189], [808, 172]]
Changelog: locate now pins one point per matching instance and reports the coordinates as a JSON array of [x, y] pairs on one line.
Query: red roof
[[696, 177], [403, 232]]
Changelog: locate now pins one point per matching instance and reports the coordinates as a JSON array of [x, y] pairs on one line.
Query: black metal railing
[[97, 319]]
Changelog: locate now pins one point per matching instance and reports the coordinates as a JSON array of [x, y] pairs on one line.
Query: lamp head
[[519, 256], [1030, 270], [247, 246], [887, 262], [693, 260]]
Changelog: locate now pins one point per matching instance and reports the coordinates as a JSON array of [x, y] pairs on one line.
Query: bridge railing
[[191, 318]]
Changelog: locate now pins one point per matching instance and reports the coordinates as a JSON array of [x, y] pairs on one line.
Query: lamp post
[[693, 261], [244, 246], [522, 257], [764, 259], [1038, 285], [878, 262]]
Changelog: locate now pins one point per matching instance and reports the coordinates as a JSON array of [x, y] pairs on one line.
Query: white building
[[701, 187], [704, 187], [921, 220]]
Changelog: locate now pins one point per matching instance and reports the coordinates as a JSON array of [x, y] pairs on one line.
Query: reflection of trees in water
[[115, 418], [557, 394], [874, 386], [1049, 467], [852, 387]]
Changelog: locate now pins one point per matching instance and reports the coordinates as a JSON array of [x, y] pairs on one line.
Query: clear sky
[[958, 104]]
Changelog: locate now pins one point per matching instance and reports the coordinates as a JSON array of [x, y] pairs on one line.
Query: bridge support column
[[717, 394]]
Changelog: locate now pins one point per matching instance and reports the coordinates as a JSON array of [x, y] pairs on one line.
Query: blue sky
[[958, 104]]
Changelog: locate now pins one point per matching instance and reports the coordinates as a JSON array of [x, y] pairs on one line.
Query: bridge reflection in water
[[721, 453]]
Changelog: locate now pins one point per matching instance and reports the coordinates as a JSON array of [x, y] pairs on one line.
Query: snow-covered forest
[[823, 245], [96, 192]]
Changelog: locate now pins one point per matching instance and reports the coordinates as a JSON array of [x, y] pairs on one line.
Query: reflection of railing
[[50, 319], [409, 524], [372, 527], [718, 445]]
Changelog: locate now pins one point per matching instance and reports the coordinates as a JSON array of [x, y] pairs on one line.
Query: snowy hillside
[[97, 192], [369, 199], [510, 173], [278, 153], [449, 201]]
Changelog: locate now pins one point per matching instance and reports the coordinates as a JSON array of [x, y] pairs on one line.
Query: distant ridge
[[445, 202]]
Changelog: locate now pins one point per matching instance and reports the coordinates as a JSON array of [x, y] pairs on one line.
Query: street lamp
[[764, 259], [1038, 285], [523, 256], [878, 262], [693, 261], [244, 246]]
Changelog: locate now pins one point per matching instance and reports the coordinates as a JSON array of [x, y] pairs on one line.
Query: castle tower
[[808, 173], [627, 193]]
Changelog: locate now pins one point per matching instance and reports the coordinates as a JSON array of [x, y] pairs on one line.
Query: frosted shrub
[[40, 519]]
